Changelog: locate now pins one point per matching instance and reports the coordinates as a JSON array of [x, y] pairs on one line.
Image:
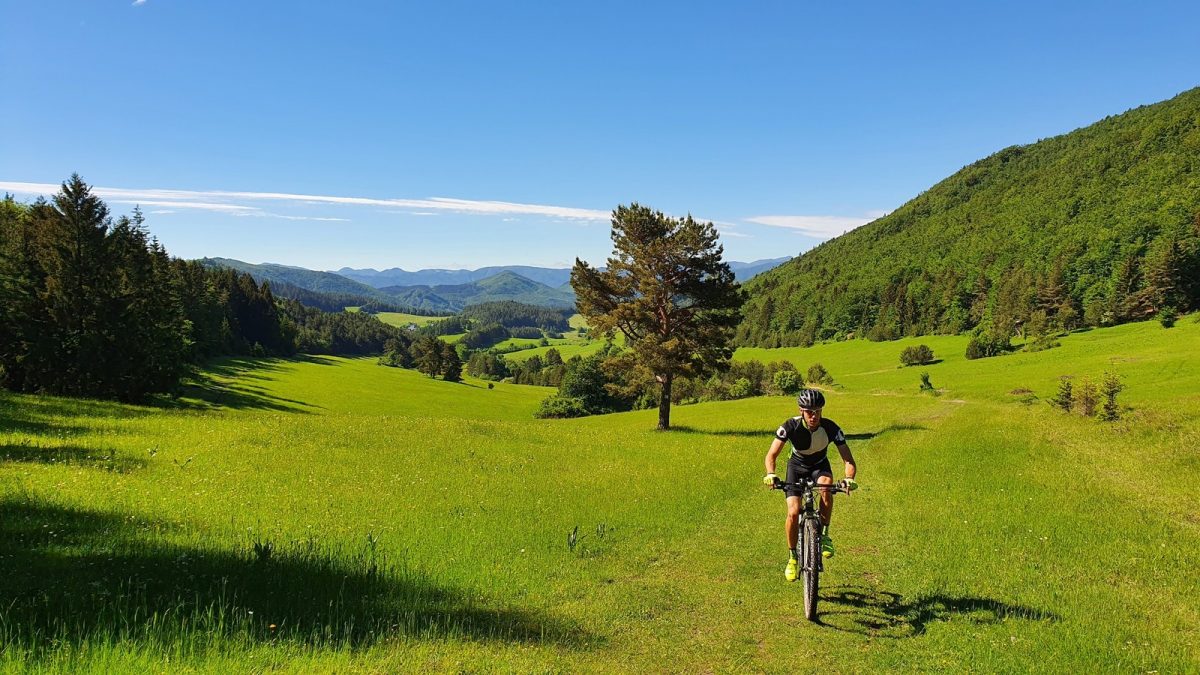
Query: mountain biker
[[810, 434]]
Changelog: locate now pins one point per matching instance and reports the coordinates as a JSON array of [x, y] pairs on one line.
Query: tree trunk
[[664, 403]]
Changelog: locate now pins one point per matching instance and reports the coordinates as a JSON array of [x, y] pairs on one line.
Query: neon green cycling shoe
[[826, 546], [792, 570]]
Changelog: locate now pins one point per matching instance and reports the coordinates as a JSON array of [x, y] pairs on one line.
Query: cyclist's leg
[[792, 526], [823, 474]]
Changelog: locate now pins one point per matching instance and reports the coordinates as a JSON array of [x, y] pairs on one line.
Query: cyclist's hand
[[850, 484], [769, 480]]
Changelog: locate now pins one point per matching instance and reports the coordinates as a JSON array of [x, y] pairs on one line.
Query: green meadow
[[404, 320], [329, 514]]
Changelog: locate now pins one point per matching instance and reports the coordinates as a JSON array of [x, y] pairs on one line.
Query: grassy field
[[403, 320], [331, 514]]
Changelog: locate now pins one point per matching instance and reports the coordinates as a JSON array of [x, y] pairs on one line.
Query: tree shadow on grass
[[204, 392], [866, 436], [69, 455], [883, 614], [741, 433], [79, 577]]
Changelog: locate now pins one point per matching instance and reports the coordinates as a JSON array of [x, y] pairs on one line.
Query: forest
[[1096, 227], [93, 306]]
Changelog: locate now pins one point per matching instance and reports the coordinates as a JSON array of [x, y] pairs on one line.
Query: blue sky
[[464, 134]]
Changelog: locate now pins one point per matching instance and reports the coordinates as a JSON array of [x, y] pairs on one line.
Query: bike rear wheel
[[812, 566]]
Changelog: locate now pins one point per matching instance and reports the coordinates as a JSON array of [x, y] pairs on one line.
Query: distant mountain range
[[550, 276], [433, 290], [395, 276]]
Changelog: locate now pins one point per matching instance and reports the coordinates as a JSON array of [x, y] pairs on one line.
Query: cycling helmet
[[810, 399]]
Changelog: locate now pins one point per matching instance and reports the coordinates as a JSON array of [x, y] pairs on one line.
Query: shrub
[[1167, 317], [985, 344], [787, 381], [1086, 397], [559, 406], [1110, 386], [818, 375], [1042, 343], [741, 388], [916, 356], [926, 385], [1065, 398]]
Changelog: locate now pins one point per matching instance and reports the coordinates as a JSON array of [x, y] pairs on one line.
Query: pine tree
[[451, 366], [668, 291]]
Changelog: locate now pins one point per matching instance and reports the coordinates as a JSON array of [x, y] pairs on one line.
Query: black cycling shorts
[[798, 471]]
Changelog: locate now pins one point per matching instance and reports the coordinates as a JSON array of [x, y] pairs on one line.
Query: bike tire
[[812, 566]]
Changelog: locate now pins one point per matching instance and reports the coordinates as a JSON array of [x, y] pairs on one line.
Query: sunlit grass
[[404, 320], [382, 520]]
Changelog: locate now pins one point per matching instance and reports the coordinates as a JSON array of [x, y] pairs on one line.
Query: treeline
[[609, 381], [489, 323], [1096, 227], [512, 314], [92, 306], [339, 332]]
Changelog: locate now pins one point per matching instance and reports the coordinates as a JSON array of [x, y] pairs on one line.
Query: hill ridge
[[1096, 226]]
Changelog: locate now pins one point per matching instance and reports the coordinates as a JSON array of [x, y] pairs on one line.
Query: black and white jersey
[[809, 446]]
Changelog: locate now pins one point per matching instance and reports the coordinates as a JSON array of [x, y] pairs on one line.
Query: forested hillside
[[1095, 227], [94, 306]]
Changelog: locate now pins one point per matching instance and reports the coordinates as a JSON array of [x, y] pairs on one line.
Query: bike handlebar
[[835, 487]]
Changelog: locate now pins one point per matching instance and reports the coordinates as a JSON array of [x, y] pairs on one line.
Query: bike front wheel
[[812, 566]]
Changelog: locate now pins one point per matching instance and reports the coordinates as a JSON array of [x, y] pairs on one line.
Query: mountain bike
[[808, 548]]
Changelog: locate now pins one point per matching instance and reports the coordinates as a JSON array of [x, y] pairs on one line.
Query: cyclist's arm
[[772, 455], [848, 458]]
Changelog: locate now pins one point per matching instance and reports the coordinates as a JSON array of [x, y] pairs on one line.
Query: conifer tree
[[668, 291]]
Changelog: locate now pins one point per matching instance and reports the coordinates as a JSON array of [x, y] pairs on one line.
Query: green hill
[[506, 285], [299, 277], [1097, 226], [329, 514]]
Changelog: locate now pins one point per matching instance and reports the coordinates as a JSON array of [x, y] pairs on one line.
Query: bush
[[1110, 386], [926, 385], [818, 375], [1087, 397], [1065, 398], [1042, 343], [787, 381], [916, 356], [559, 406], [741, 389], [985, 344], [1167, 317]]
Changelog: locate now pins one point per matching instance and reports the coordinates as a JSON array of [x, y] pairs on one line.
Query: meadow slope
[[326, 513]]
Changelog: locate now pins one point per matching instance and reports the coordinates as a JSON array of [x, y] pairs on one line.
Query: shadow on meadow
[[27, 451], [882, 614], [79, 577], [866, 436], [741, 433], [228, 383]]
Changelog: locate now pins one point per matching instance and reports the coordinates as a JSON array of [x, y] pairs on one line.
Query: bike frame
[[811, 561], [808, 511]]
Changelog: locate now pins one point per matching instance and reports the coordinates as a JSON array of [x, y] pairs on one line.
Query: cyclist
[[810, 434]]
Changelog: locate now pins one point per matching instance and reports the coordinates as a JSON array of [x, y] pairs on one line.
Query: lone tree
[[668, 291]]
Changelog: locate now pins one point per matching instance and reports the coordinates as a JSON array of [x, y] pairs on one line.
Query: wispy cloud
[[201, 206], [821, 227], [236, 201], [138, 2]]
